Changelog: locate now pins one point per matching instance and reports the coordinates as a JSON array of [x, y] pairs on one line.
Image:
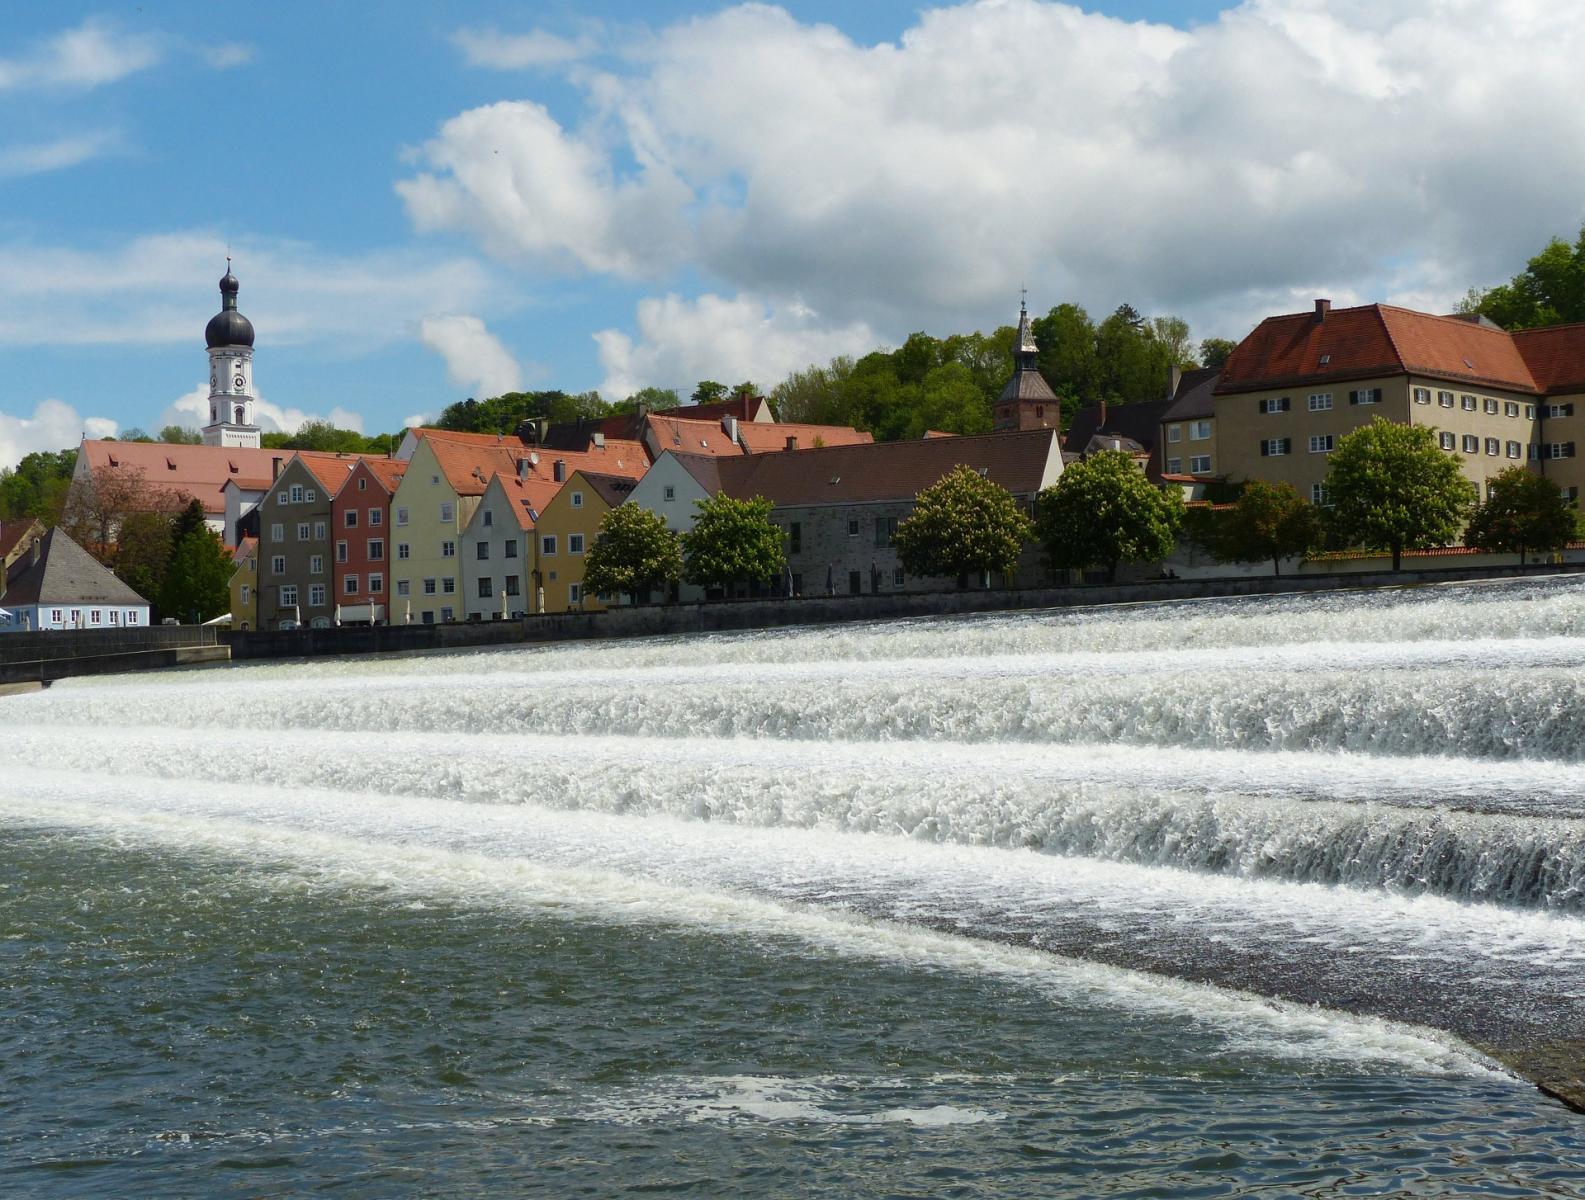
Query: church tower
[[1027, 402], [229, 336]]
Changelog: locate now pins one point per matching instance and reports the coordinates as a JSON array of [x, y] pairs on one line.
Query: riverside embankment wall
[[42, 656]]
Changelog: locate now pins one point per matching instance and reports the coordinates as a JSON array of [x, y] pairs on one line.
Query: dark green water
[[183, 1024]]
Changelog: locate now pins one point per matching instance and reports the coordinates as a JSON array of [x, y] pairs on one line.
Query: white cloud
[[228, 55], [40, 157], [88, 56], [160, 288], [417, 418], [191, 411], [1289, 148], [513, 52], [725, 339], [54, 425], [474, 356]]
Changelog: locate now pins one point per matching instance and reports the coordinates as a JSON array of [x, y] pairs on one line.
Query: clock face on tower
[[239, 381]]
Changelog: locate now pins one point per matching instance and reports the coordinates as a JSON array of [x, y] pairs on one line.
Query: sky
[[428, 201]]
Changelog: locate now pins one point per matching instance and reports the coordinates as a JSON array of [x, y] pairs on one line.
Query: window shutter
[[1353, 397], [1568, 410], [1287, 445], [1265, 448], [1568, 449]]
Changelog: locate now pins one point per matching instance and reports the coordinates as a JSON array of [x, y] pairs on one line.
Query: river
[[1281, 895]]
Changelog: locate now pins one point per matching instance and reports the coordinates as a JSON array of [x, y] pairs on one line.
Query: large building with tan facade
[[1300, 382]]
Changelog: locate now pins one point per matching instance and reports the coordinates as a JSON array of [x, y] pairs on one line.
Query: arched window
[[239, 414]]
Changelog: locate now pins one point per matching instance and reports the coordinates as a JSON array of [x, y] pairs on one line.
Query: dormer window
[[1326, 359]]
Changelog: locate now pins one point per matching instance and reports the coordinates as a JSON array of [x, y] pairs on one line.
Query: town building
[[498, 548], [244, 585], [1027, 402], [566, 529], [1188, 428], [360, 522], [56, 584], [296, 576]]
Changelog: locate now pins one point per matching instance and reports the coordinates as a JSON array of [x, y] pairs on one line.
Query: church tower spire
[[1027, 402], [229, 336]]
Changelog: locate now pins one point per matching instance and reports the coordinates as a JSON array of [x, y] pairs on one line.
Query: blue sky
[[458, 197]]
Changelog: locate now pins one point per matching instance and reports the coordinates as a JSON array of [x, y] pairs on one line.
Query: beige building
[[1301, 382]]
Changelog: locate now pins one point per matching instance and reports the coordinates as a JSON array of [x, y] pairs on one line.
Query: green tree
[[1214, 351], [197, 577], [1103, 512], [634, 554], [1172, 333], [134, 434], [1268, 521], [650, 399], [141, 554], [1394, 489], [948, 400], [504, 413], [708, 391], [1549, 291], [1523, 512], [177, 435], [37, 486], [815, 395], [732, 541], [961, 525], [1130, 363]]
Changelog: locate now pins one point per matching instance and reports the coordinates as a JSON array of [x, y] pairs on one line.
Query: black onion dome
[[228, 327]]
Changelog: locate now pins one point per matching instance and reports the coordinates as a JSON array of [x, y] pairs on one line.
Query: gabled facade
[[360, 521], [296, 577], [245, 585], [498, 549], [56, 584], [566, 529]]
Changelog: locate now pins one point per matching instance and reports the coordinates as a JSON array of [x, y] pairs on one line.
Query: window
[[1200, 464], [376, 549], [429, 587], [897, 576], [1493, 446], [309, 495], [363, 484], [376, 517], [1467, 402], [448, 511], [1529, 412], [885, 530], [547, 545], [486, 587], [1320, 401], [302, 531], [1447, 441], [1470, 444], [278, 565], [280, 497], [481, 551], [376, 583], [1445, 399], [404, 587], [1510, 408], [1274, 404], [351, 518], [132, 618], [669, 493], [575, 593], [853, 528], [575, 543], [349, 585], [316, 596], [795, 534], [1491, 407], [448, 549], [341, 552], [1560, 410], [509, 585], [448, 614], [401, 549], [1322, 443], [1513, 450], [1560, 450], [316, 564], [510, 551], [95, 616], [577, 499], [448, 585], [1199, 431], [1174, 433], [855, 583], [428, 617], [115, 616], [288, 595], [1571, 494], [1174, 466], [488, 518], [321, 531], [1365, 396], [401, 516], [247, 593], [297, 493], [1320, 494], [1276, 447], [1422, 395], [277, 532]]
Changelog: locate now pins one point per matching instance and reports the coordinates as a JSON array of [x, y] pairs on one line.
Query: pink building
[[360, 521]]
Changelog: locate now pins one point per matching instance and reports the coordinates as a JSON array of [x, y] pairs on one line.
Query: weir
[[1369, 803]]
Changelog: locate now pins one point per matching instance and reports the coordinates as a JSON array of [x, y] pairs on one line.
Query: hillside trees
[[37, 486], [1549, 291], [1103, 512], [964, 524], [1393, 488]]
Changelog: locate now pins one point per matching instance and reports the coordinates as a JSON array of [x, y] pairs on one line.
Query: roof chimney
[[729, 427], [275, 468], [522, 468], [559, 471], [1100, 422], [1322, 307], [1177, 378], [792, 441]]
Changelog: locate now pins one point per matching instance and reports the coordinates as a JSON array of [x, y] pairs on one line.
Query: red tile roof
[[248, 546], [762, 438], [688, 436], [1555, 356], [528, 496], [196, 471]]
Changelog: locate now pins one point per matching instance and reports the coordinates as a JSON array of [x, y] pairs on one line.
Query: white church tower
[[230, 339]]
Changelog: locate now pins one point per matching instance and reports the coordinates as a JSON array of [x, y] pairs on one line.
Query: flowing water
[[1281, 896]]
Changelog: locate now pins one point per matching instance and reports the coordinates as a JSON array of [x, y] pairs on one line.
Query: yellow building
[[566, 529], [245, 585]]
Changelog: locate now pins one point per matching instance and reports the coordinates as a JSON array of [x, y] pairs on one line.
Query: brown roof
[[388, 471], [468, 460], [866, 473], [1195, 395], [744, 408], [688, 436], [1555, 356], [1373, 339], [764, 437], [613, 489], [196, 471], [12, 532], [528, 496], [246, 547], [332, 470]]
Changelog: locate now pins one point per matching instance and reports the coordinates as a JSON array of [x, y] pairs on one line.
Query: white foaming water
[[519, 859]]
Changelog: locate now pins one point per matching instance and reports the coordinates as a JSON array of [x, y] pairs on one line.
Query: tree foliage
[[732, 541], [1393, 488], [651, 399], [97, 507], [1268, 521], [179, 435], [1549, 291], [1523, 512], [961, 525], [1103, 512], [141, 555], [198, 573], [1214, 351], [634, 554], [708, 391], [37, 486], [504, 413]]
